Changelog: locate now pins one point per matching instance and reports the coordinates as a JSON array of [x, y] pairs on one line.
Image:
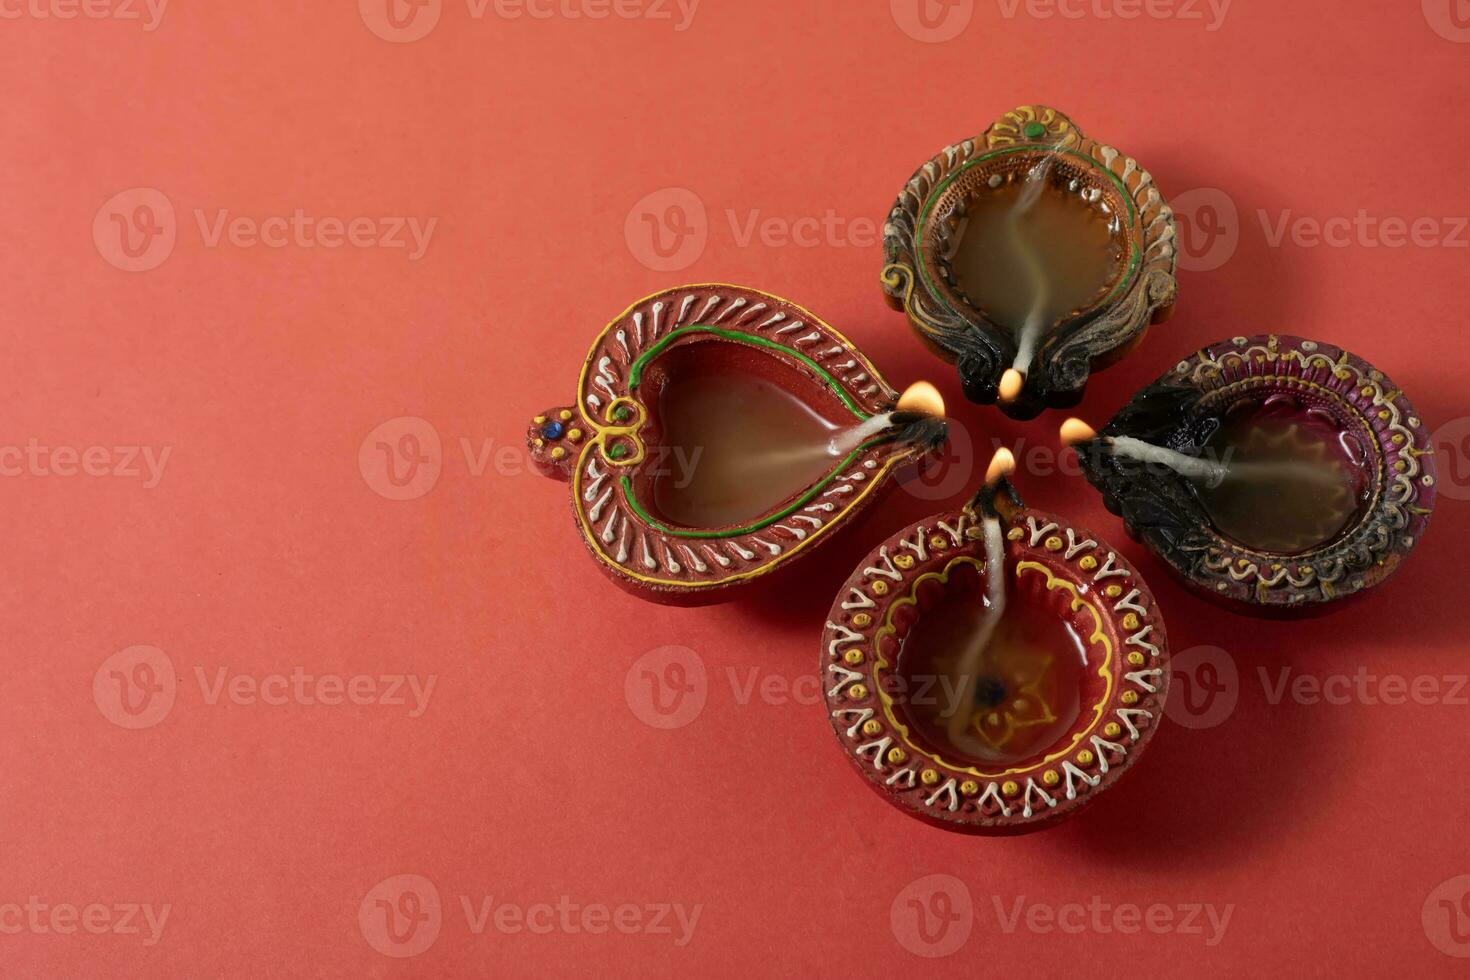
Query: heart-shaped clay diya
[[718, 433], [993, 669], [1271, 473], [1030, 256]]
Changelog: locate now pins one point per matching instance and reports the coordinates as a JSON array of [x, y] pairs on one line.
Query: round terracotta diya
[[1030, 256], [1009, 733], [718, 433], [1277, 475]]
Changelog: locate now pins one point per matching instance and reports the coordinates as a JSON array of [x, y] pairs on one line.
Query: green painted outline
[[759, 525], [635, 372], [635, 377], [1135, 253]]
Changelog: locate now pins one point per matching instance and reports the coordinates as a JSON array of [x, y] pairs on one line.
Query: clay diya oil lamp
[[718, 433], [993, 669], [1030, 255], [1273, 474]]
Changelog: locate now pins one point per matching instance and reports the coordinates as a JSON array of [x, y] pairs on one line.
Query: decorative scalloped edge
[[660, 563], [1159, 512], [983, 350], [1020, 799]]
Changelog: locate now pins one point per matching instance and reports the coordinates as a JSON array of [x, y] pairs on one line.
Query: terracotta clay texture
[[1330, 386], [919, 241], [1090, 585], [606, 442]]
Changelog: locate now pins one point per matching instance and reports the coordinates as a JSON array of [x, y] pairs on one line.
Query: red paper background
[[530, 776]]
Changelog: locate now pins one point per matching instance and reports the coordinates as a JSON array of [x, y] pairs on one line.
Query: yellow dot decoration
[[1135, 658], [1088, 563], [1053, 543], [574, 434], [853, 656], [872, 727], [1113, 591], [1112, 729], [1010, 787], [558, 452], [1050, 777], [1084, 757], [928, 777], [1014, 534], [880, 588], [896, 756], [1130, 621], [565, 414], [974, 533], [539, 419], [904, 561], [861, 620], [969, 787], [938, 543], [857, 692], [1130, 697]]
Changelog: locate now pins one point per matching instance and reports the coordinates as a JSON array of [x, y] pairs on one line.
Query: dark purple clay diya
[[993, 669], [718, 433], [1271, 473], [1030, 256]]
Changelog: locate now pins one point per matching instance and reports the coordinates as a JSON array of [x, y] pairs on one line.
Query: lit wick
[[923, 398], [1010, 385], [1076, 432], [1029, 335], [1002, 464], [917, 418]]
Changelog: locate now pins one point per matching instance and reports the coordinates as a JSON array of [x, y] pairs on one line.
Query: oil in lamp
[[1271, 473], [992, 669], [1030, 256], [719, 433]]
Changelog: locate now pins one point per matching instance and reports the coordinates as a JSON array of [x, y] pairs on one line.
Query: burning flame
[[921, 397], [1075, 430], [1010, 385], [1002, 465]]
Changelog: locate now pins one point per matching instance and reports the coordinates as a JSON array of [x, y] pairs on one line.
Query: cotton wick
[[1075, 432], [1002, 464]]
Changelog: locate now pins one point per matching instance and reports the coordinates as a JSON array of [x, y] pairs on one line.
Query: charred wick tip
[[918, 429]]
